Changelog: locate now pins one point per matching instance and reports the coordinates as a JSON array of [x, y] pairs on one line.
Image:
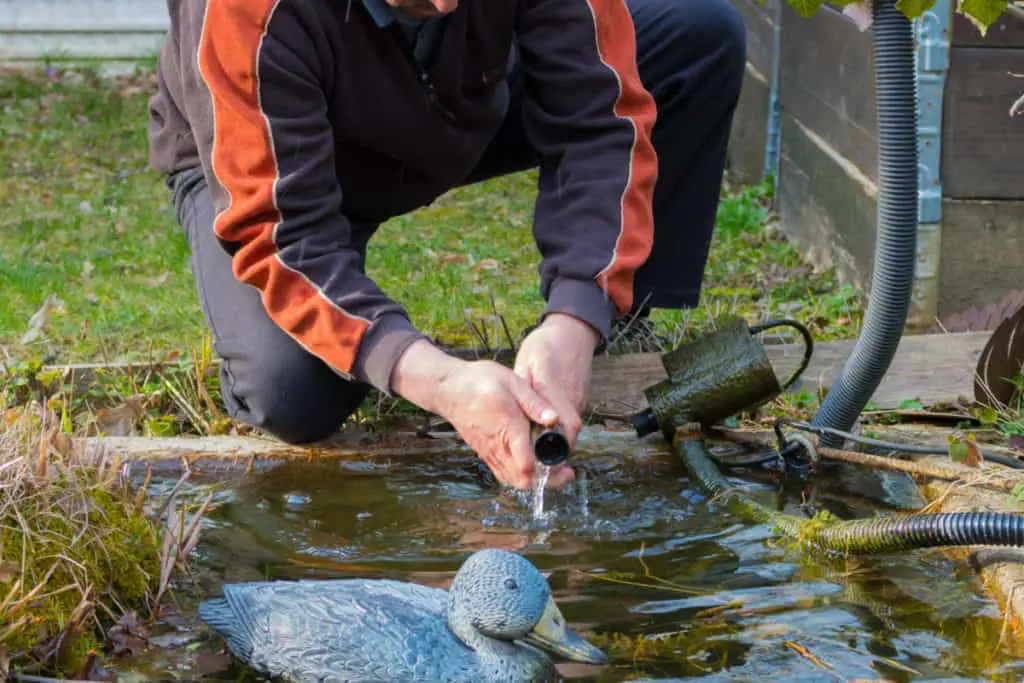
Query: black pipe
[[892, 281], [550, 446]]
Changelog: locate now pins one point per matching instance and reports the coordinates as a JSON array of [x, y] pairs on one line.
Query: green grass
[[83, 218]]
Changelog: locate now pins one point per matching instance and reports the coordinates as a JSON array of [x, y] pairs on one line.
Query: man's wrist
[[420, 372], [576, 327]]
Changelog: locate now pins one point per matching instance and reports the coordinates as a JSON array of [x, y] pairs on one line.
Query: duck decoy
[[497, 623]]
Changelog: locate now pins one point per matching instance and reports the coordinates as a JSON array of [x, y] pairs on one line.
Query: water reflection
[[674, 587]]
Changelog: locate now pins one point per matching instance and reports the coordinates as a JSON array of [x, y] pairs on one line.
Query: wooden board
[[982, 145], [935, 368], [826, 81], [931, 368], [982, 253]]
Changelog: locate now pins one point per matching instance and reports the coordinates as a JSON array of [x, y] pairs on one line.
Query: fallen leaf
[[122, 420], [39, 320], [487, 264], [964, 450], [128, 636], [87, 268], [159, 280], [11, 415], [806, 654], [454, 258], [8, 572]]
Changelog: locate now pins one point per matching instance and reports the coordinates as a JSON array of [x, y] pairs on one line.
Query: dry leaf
[[8, 572], [39, 320], [964, 450], [454, 258], [806, 654], [122, 420], [159, 280], [487, 264], [128, 636]]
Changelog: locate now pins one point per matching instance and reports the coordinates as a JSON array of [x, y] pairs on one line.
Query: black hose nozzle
[[550, 445]]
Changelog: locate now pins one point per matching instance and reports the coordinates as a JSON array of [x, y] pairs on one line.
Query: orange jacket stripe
[[616, 44], [244, 164]]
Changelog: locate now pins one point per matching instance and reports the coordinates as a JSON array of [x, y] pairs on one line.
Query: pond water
[[670, 585]]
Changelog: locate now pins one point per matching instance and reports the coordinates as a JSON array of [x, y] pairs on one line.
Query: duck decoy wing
[[359, 631]]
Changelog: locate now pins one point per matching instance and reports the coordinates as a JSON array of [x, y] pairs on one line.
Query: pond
[[670, 585]]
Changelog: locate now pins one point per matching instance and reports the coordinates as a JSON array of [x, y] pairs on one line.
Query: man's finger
[[521, 460], [536, 407], [568, 417]]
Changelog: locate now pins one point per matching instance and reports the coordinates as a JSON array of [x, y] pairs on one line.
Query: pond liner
[[876, 535], [892, 279]]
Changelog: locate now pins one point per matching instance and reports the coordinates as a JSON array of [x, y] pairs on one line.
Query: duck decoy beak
[[552, 635]]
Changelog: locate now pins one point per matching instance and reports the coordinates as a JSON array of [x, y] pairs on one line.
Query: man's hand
[[556, 358], [488, 404]]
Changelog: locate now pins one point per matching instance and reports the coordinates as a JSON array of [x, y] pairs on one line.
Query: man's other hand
[[556, 359], [489, 405]]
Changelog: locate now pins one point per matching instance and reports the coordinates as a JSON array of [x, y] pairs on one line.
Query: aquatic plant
[[77, 550]]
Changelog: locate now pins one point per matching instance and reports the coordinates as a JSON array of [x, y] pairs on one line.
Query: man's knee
[[703, 36], [291, 395]]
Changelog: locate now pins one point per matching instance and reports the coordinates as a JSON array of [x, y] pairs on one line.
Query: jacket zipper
[[421, 74]]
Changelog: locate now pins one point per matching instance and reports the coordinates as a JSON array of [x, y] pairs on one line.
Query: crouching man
[[289, 130]]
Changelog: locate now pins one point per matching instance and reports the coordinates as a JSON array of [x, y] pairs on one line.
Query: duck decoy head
[[503, 596]]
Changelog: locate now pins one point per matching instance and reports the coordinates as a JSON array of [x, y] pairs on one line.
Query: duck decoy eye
[[511, 584]]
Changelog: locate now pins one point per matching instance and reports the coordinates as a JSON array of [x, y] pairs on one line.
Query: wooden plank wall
[[750, 123], [33, 31], [982, 145], [828, 162], [829, 167], [982, 253]]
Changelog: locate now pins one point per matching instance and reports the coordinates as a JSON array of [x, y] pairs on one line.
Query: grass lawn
[[84, 219]]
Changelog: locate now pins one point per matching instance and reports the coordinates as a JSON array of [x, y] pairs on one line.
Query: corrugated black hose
[[882, 534], [896, 241]]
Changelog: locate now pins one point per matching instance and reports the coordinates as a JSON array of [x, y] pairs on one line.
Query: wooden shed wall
[[828, 166]]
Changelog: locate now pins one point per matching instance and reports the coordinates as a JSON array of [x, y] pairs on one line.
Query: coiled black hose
[[892, 279], [883, 534]]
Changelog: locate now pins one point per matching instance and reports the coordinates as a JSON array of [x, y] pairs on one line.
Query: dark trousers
[[691, 56]]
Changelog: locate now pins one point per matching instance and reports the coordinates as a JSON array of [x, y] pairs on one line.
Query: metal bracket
[[931, 31]]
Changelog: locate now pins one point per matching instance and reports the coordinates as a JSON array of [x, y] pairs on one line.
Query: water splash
[[583, 493], [540, 484]]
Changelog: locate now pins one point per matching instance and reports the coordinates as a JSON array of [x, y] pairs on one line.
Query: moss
[[75, 550]]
